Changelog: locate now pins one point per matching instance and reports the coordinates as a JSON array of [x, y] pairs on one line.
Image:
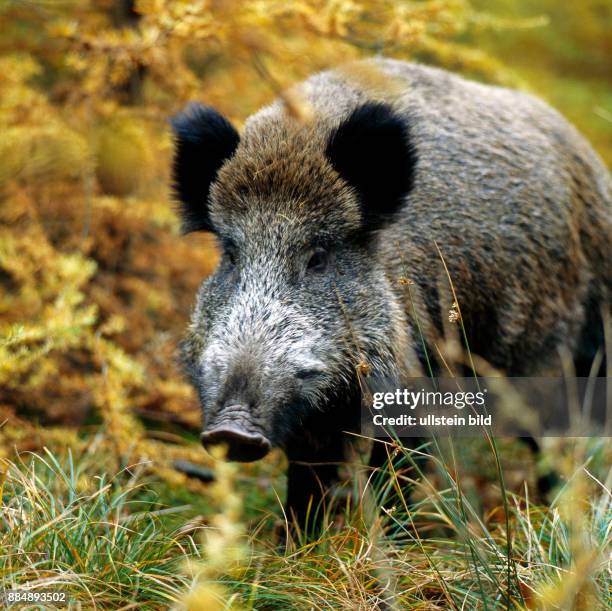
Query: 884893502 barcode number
[[15, 597]]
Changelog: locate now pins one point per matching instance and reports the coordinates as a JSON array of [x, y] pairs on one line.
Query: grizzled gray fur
[[318, 221]]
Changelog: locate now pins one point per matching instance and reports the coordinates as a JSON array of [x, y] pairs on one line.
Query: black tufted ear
[[204, 139], [371, 150]]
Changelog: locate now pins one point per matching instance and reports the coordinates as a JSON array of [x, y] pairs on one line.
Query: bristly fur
[[507, 193], [372, 151], [204, 140]]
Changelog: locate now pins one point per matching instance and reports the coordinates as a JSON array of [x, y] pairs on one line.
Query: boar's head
[[300, 297]]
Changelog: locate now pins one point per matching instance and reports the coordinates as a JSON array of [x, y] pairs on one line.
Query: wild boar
[[318, 221]]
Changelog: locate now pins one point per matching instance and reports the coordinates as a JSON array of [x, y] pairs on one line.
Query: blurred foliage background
[[95, 282]]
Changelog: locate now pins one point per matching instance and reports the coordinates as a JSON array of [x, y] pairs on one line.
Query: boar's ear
[[204, 139], [371, 150]]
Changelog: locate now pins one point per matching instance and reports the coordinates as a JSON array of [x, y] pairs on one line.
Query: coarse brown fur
[[515, 198]]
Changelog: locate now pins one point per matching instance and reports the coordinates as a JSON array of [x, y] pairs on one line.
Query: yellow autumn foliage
[[95, 282]]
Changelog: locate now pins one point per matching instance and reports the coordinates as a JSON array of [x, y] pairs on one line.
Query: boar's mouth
[[241, 445]]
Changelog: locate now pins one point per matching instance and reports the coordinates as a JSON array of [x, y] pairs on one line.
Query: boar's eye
[[230, 252], [318, 261]]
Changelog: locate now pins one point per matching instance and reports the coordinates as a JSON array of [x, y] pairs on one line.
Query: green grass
[[72, 527], [67, 524]]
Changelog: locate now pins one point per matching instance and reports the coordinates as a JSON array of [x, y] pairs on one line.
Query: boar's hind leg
[[546, 481], [591, 344]]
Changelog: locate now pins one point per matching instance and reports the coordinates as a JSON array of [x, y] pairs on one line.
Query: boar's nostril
[[242, 445]]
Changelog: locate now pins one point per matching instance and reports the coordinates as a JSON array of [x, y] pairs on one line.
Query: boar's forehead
[[280, 176]]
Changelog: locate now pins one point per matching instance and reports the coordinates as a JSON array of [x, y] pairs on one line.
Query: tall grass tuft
[[441, 551], [67, 526]]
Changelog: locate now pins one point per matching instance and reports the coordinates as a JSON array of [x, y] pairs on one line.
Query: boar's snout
[[241, 444]]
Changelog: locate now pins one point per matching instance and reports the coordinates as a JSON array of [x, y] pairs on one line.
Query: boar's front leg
[[312, 471], [307, 486]]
